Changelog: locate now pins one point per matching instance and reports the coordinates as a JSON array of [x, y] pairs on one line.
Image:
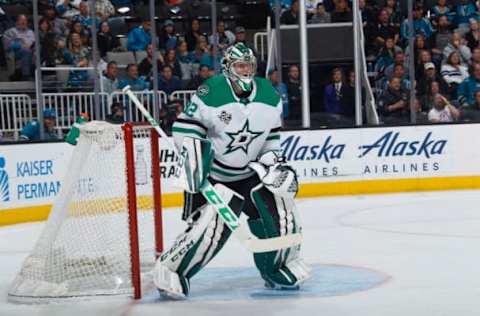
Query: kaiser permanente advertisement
[[341, 161]]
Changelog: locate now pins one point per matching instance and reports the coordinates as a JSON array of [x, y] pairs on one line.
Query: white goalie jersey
[[240, 129]]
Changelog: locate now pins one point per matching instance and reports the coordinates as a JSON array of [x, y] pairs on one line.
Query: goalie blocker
[[270, 210]]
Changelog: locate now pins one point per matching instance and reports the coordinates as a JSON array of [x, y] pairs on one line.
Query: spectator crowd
[[446, 54]]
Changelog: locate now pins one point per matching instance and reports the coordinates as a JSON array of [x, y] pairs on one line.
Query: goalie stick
[[251, 242]]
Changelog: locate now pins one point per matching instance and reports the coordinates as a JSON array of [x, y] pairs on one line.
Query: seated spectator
[[441, 37], [421, 25], [475, 56], [441, 9], [428, 98], [57, 25], [393, 104], [333, 93], [222, 39], [453, 72], [442, 111], [139, 37], [84, 17], [424, 57], [399, 72], [281, 89], [167, 37], [290, 16], [193, 34], [473, 35], [145, 67], [294, 92], [31, 131], [342, 12], [171, 60], [77, 27], [399, 59], [466, 90], [47, 42], [117, 114], [471, 112], [186, 60], [132, 79], [209, 59], [195, 82], [465, 10], [348, 100], [430, 75], [107, 42], [167, 82], [68, 8], [201, 49], [383, 30], [320, 15], [394, 13], [386, 55], [76, 50], [110, 78], [104, 9], [240, 35], [19, 40], [457, 45]]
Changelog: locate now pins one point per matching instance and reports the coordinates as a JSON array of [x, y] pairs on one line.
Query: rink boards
[[328, 162]]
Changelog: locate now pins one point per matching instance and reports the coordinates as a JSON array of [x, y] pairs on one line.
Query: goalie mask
[[239, 64]]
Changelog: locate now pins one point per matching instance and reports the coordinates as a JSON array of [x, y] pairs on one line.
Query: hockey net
[[104, 230]]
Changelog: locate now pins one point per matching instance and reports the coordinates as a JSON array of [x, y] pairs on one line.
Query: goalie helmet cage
[[104, 231]]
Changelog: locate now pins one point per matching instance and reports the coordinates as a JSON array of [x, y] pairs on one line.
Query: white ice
[[424, 246]]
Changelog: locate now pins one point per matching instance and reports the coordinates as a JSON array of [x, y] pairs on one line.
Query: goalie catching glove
[[278, 177]]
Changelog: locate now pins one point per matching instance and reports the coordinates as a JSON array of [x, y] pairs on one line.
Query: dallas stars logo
[[241, 139]]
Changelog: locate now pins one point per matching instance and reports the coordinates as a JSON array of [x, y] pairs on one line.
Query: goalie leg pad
[[282, 269], [192, 250]]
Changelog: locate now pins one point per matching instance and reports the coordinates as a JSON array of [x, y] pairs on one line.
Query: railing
[[183, 95], [15, 111], [145, 97], [260, 40], [68, 106]]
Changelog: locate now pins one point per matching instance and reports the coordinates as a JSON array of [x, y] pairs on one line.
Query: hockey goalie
[[229, 132]]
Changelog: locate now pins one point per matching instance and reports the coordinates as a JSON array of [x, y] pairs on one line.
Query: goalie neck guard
[[239, 64]]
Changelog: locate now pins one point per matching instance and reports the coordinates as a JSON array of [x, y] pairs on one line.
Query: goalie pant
[[268, 216]]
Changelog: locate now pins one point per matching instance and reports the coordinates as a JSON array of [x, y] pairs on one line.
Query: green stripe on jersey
[[188, 131], [273, 137]]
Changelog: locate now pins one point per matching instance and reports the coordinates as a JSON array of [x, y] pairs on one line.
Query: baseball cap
[[49, 113], [168, 22], [429, 66], [239, 29]]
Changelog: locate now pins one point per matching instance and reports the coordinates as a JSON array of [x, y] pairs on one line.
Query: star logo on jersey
[[241, 139]]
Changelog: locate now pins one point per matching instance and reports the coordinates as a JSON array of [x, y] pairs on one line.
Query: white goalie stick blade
[[229, 217]]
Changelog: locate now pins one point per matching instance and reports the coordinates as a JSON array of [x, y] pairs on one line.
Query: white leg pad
[[167, 281], [300, 269]]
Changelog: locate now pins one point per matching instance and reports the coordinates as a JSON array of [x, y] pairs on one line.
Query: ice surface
[[379, 255]]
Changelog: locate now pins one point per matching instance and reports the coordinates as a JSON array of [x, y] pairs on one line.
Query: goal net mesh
[[84, 249]]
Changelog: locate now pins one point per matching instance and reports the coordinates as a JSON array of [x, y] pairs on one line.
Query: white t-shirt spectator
[[444, 115]]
